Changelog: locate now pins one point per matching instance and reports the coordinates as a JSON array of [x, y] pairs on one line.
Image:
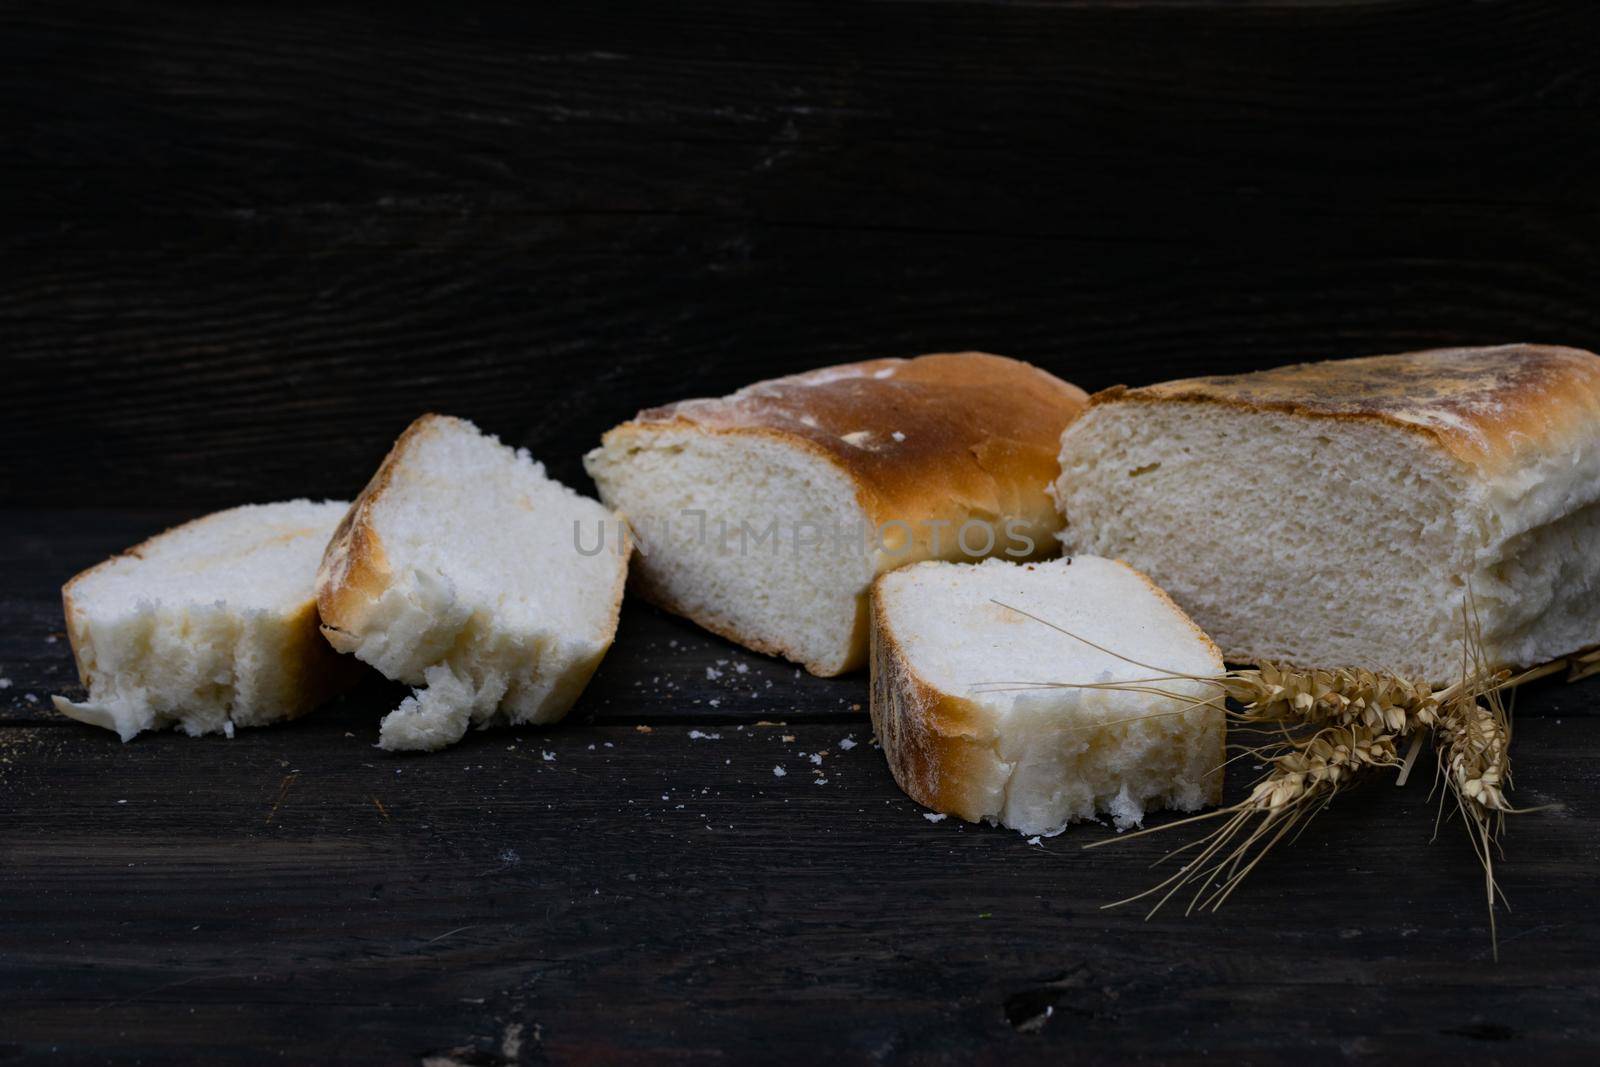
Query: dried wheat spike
[[1272, 693], [1474, 750]]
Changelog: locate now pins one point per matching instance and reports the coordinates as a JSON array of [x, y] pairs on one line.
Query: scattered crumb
[[714, 703], [846, 745], [816, 758], [898, 436], [1035, 841], [32, 698], [712, 674], [549, 757], [741, 668], [696, 735], [778, 771], [820, 781], [5, 683], [643, 730], [786, 737], [934, 816]]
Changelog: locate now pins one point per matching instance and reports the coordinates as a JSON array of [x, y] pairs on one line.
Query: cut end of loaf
[[750, 536], [1319, 536], [962, 705]]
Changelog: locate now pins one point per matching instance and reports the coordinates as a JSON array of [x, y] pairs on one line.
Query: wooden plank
[[596, 892], [252, 244]]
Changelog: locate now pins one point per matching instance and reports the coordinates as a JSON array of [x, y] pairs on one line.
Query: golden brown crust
[[979, 433], [937, 745], [1486, 406], [355, 568]]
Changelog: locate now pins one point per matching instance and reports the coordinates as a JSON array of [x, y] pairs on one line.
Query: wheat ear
[[1332, 728]]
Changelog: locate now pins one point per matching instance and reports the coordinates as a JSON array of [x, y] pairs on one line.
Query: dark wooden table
[[637, 883], [241, 246]]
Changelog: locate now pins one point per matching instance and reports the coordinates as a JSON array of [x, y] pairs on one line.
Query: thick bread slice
[[464, 569], [967, 734], [765, 515], [207, 626], [1342, 513]]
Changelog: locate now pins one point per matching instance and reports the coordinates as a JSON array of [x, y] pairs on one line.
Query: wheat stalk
[[1332, 728]]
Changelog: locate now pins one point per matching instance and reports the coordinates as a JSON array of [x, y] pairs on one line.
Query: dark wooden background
[[243, 245]]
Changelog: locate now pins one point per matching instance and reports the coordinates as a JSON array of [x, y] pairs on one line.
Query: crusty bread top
[[978, 427], [1486, 406]]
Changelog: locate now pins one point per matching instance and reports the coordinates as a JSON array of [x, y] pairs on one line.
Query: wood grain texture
[[245, 247], [241, 247], [597, 894]]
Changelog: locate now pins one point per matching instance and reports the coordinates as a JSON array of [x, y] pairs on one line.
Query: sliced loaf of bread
[[977, 703], [1343, 514], [207, 626], [765, 515], [463, 570]]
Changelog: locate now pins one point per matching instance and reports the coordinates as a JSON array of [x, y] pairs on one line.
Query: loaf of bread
[[765, 515], [961, 705], [208, 626], [463, 570], [1343, 513]]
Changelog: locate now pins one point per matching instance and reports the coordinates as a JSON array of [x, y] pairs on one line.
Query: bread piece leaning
[[991, 702], [208, 626], [463, 570], [765, 515], [1362, 512]]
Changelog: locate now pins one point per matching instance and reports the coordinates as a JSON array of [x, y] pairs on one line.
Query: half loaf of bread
[[1347, 513], [207, 626], [765, 515], [465, 571]]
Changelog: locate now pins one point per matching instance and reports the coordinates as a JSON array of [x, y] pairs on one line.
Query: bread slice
[[1340, 514], [463, 569], [765, 515], [207, 626], [968, 729]]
